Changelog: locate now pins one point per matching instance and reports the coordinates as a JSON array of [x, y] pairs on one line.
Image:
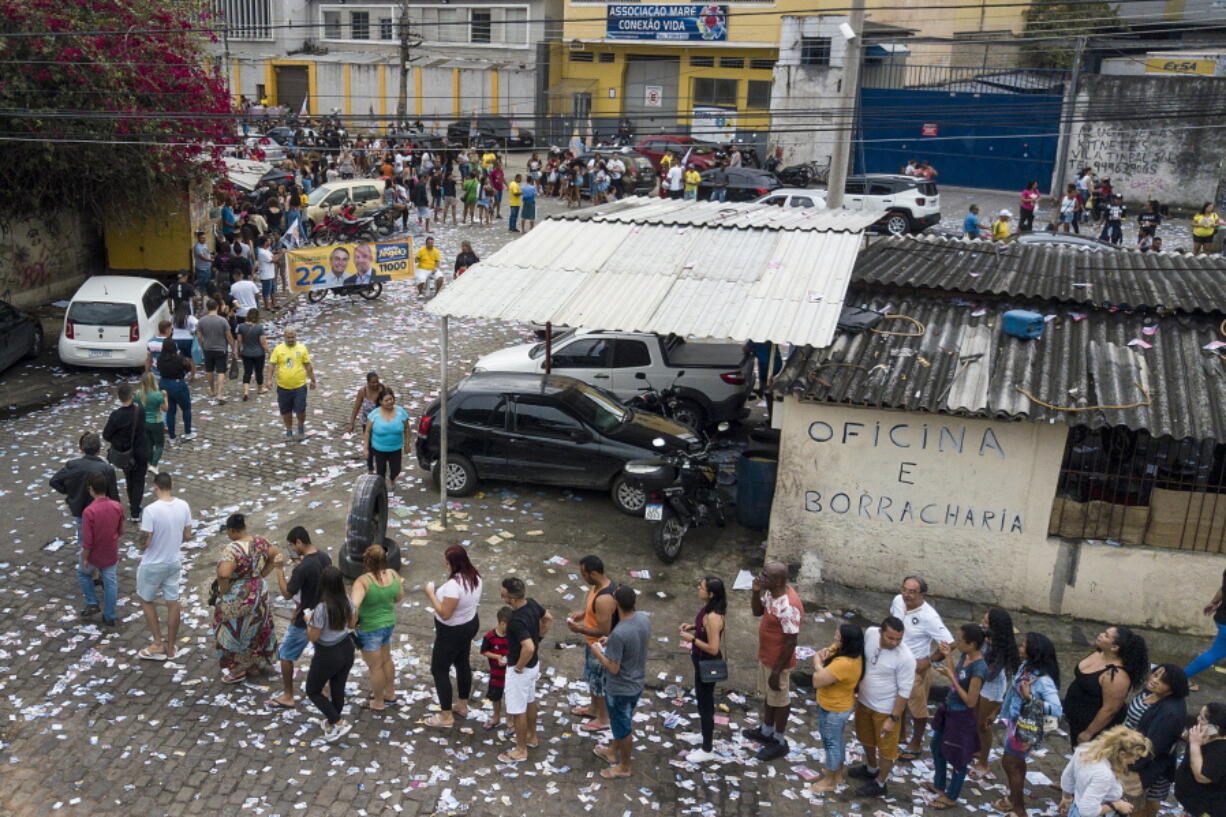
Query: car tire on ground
[[462, 476], [897, 223], [689, 413], [627, 498], [366, 525]]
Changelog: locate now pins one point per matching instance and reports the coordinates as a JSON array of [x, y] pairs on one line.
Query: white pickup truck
[[713, 379]]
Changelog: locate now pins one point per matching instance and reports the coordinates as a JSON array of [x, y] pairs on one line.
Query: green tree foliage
[[105, 103], [1047, 19]]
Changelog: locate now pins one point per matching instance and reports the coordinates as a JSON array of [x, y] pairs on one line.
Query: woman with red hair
[[455, 626]]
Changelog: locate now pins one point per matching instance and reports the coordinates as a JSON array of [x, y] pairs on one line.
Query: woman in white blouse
[[1091, 780], [455, 626]]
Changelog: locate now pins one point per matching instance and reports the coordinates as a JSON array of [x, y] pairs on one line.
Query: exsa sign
[[667, 22]]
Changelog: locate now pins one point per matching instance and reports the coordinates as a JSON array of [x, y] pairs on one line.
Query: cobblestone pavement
[[86, 728]]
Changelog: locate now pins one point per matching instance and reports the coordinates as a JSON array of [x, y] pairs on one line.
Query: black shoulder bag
[[125, 460], [711, 670]]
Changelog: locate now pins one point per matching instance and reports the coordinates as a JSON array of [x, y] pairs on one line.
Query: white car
[[911, 204], [798, 197], [111, 319]]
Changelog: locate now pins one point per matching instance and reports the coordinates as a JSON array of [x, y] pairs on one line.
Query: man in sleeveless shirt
[[593, 622]]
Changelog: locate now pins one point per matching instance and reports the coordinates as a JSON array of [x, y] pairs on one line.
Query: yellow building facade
[[708, 68]]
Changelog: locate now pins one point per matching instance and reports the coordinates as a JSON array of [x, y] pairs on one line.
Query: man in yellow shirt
[[487, 160], [692, 179], [290, 365], [1000, 227], [426, 261], [515, 191]]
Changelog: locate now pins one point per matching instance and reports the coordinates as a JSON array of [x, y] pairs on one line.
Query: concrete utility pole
[[840, 159], [402, 104], [1060, 178]]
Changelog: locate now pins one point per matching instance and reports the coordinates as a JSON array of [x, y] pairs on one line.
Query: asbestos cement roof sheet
[[1062, 273], [1095, 362], [721, 272]]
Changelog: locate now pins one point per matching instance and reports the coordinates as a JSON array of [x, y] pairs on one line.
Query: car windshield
[[539, 349], [598, 409], [101, 313], [318, 195]]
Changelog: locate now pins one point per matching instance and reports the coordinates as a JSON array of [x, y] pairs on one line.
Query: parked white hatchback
[[111, 319]]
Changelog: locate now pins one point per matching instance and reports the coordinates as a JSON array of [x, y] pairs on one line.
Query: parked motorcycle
[[334, 229], [665, 402], [366, 291], [386, 219], [682, 492], [803, 175]]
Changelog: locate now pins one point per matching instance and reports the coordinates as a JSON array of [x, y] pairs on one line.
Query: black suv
[[545, 429], [492, 132]]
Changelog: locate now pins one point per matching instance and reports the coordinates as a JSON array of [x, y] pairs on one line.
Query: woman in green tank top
[[375, 595]]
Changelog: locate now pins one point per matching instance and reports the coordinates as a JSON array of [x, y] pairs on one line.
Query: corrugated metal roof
[[964, 364], [1101, 278], [726, 272]]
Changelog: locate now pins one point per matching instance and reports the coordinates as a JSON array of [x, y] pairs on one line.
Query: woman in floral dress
[[242, 619]]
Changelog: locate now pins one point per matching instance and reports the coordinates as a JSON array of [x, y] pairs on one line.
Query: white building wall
[[864, 497], [811, 91]]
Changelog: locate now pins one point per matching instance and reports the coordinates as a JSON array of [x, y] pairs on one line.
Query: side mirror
[[657, 442], [640, 375]]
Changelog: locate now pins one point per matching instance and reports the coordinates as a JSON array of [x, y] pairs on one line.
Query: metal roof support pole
[[442, 431], [548, 347]]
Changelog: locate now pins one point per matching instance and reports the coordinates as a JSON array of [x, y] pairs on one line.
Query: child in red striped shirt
[[494, 648]]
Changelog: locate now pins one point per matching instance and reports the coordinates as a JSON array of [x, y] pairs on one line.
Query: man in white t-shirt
[[881, 699], [266, 263], [246, 294], [676, 181], [164, 525], [928, 639]]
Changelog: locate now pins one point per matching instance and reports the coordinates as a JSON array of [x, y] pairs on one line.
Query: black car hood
[[643, 427]]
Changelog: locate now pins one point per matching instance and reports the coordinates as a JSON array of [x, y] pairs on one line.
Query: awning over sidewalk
[[698, 269]]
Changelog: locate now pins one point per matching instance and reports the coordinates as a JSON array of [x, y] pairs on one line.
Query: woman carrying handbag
[[705, 638]]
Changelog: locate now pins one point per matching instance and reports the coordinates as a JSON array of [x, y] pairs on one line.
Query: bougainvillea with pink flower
[[107, 103]]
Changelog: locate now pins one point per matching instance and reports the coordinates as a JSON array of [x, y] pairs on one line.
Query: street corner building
[[1065, 460]]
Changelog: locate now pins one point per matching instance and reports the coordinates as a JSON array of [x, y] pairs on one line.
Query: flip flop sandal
[[234, 679], [609, 774], [151, 656], [489, 726], [581, 711], [910, 755], [940, 805], [1002, 805], [506, 757], [596, 751], [592, 726], [273, 703], [437, 722]]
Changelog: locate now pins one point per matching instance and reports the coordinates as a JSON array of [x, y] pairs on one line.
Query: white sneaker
[[191, 436], [153, 469], [335, 733], [700, 755]]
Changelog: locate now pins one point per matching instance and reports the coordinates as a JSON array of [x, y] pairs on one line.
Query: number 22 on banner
[[304, 275]]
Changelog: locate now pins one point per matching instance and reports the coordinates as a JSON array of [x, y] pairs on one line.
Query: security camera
[[847, 31]]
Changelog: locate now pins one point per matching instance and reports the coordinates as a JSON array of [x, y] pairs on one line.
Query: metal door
[[292, 86], [650, 93]]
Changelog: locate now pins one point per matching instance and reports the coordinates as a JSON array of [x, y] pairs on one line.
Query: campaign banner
[[667, 22], [349, 264]]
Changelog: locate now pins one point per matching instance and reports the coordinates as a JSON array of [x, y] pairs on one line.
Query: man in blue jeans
[[101, 527], [623, 654], [1217, 650]]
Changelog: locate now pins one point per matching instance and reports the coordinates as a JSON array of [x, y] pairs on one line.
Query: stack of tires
[[366, 525]]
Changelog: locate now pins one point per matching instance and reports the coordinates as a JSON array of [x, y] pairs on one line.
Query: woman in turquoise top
[[153, 400], [385, 436]]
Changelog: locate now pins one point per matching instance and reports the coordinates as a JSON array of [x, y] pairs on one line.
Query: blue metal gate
[[997, 141]]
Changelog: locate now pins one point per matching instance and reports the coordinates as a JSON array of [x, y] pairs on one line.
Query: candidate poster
[[350, 264]]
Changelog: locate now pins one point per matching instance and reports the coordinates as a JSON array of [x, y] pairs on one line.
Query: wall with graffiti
[[45, 258]]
